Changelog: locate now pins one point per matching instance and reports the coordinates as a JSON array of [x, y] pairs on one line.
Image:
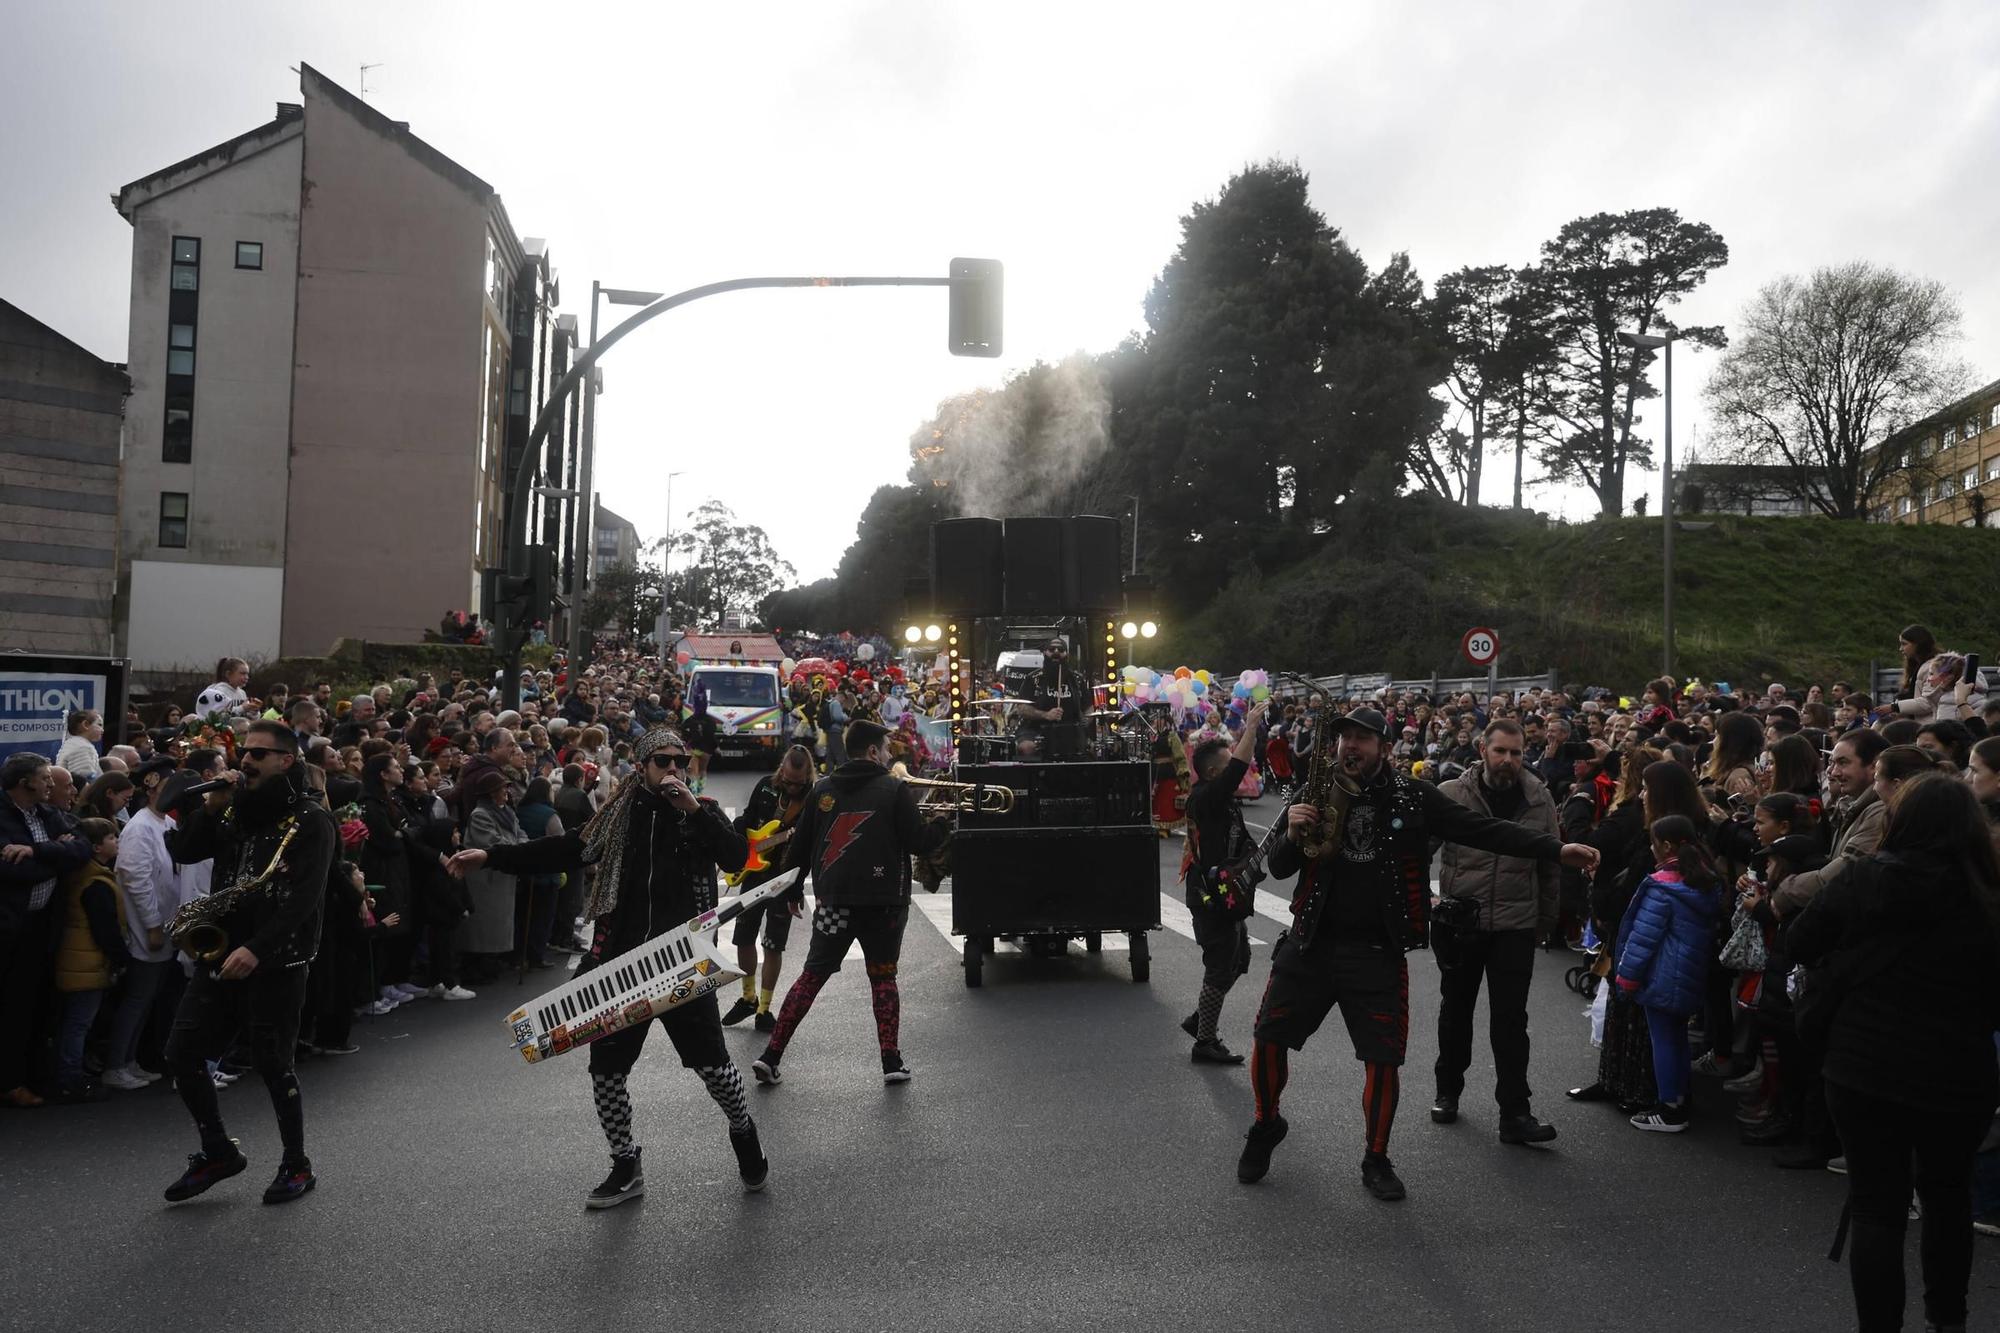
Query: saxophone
[[198, 930], [1325, 788]]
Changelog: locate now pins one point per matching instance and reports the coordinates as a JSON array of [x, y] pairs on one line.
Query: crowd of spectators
[[411, 768]]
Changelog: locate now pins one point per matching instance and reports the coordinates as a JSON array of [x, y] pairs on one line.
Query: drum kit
[[995, 733]]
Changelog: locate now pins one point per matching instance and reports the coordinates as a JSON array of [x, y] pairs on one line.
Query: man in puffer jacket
[[1665, 944]]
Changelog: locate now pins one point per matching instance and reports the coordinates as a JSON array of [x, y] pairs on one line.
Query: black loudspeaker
[[966, 569], [1092, 549], [1034, 566]]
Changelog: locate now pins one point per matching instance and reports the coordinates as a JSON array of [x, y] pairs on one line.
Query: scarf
[[606, 836]]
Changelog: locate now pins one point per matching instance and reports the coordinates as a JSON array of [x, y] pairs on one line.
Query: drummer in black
[[1056, 699]]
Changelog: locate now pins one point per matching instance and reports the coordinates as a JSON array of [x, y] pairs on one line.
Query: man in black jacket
[[1359, 904], [779, 797], [855, 838], [38, 845], [656, 848], [273, 932]]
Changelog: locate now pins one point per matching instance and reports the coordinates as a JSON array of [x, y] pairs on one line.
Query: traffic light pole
[[511, 636]]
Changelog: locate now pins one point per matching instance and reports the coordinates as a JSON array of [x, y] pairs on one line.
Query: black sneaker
[[1378, 1174], [1264, 1136], [766, 1021], [1662, 1119], [1524, 1128], [739, 1011], [1191, 1024], [293, 1180], [204, 1171], [750, 1163], [1444, 1109], [1213, 1052], [893, 1069], [626, 1182], [765, 1069]]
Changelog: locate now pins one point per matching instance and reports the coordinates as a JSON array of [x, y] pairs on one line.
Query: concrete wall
[[186, 616], [387, 385], [60, 414], [236, 481]]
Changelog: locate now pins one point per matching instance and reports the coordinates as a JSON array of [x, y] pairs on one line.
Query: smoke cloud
[[1021, 449]]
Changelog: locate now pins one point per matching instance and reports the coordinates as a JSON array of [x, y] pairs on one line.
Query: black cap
[[1367, 719]]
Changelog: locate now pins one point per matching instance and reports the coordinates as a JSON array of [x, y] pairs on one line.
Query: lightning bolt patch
[[842, 835]]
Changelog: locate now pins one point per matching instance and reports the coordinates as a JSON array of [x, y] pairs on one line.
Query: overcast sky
[[661, 147]]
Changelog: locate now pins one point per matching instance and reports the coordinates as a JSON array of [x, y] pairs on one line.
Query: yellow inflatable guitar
[[760, 838]]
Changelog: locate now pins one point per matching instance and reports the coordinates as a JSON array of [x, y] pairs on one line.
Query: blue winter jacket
[[1667, 942]]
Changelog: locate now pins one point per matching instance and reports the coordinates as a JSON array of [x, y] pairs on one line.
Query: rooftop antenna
[[364, 77]]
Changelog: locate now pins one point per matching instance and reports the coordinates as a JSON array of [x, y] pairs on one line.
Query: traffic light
[[975, 307], [516, 602]]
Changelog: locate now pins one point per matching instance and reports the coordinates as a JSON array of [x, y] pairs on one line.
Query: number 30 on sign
[[1480, 646]]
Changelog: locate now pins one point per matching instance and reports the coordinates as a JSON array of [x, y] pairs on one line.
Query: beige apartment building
[[1957, 478], [336, 336]]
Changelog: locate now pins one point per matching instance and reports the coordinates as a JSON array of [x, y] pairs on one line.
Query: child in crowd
[[1665, 944], [90, 955]]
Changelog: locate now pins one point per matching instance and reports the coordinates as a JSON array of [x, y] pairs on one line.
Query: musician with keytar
[[1220, 866], [273, 844], [656, 848]]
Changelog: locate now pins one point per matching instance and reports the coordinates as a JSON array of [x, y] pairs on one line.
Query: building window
[[177, 440], [1993, 416], [174, 518], [517, 400], [1993, 468], [187, 264], [250, 254], [1971, 478], [1969, 429], [1909, 506]]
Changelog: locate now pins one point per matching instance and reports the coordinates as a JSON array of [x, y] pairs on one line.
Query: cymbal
[[1105, 712]]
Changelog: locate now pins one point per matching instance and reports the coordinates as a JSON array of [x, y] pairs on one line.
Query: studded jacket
[[279, 922], [1384, 858]]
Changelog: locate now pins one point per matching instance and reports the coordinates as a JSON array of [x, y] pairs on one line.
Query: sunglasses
[[667, 760], [261, 752]]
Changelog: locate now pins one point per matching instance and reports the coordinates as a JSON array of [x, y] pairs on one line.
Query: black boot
[[1264, 1136], [626, 1182], [1444, 1109], [1378, 1174], [1524, 1128], [750, 1163]]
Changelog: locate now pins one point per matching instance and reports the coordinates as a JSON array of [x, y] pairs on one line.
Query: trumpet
[[938, 796]]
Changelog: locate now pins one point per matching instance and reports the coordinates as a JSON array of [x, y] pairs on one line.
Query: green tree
[[731, 567], [1825, 368], [1271, 374], [1602, 275]]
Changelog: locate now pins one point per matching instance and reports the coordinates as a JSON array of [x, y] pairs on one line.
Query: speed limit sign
[[1480, 646]]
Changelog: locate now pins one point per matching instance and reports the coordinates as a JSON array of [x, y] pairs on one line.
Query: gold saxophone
[[1325, 788], [198, 930]]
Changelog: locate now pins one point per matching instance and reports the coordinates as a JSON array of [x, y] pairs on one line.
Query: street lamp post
[[1666, 343], [583, 556], [1135, 534], [667, 568]]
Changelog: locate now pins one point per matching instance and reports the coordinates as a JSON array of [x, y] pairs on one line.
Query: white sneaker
[[379, 1008], [409, 992], [220, 1079], [456, 993], [392, 994], [120, 1079], [134, 1071]]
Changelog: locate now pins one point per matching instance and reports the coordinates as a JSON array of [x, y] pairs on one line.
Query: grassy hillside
[[1755, 599]]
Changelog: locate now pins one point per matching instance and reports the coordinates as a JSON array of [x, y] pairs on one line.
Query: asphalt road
[[1057, 1163]]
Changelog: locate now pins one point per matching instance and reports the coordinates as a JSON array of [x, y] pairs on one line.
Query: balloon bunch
[[1252, 687], [1185, 691]]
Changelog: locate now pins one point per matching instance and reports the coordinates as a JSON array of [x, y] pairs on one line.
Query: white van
[[747, 703]]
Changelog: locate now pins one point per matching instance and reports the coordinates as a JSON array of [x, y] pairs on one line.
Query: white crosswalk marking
[[1174, 915]]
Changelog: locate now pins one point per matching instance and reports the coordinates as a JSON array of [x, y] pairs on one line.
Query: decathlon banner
[[38, 692]]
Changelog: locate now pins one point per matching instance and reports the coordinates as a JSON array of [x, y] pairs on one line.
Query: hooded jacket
[[856, 836], [1913, 970], [1666, 942], [1513, 892]]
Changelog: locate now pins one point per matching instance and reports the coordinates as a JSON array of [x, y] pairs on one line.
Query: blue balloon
[[1200, 688]]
